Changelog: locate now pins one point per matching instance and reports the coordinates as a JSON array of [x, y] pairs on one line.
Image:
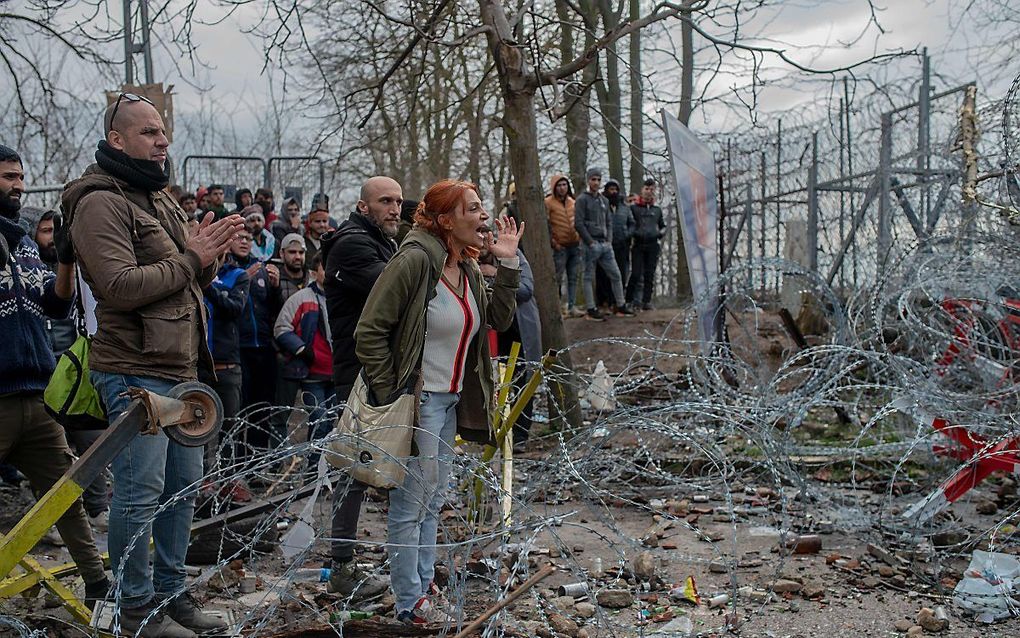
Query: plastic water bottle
[[312, 574]]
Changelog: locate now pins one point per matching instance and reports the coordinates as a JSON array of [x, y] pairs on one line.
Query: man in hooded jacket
[[623, 226], [566, 243], [289, 222], [242, 200], [43, 226]]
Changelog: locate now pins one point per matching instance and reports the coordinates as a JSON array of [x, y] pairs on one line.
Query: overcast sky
[[811, 32]]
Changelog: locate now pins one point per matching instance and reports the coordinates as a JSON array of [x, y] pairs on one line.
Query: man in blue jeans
[[594, 224], [147, 271]]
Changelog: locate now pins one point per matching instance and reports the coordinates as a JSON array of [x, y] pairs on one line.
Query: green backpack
[[70, 398]]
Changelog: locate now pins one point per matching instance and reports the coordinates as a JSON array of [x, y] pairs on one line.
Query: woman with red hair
[[423, 329]]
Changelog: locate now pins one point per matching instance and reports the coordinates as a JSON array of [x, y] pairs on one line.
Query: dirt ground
[[639, 542]]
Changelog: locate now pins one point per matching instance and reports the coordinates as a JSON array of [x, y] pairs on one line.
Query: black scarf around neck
[[144, 174], [12, 231]]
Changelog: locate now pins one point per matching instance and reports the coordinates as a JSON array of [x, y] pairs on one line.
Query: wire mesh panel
[[879, 181], [297, 177], [233, 173]]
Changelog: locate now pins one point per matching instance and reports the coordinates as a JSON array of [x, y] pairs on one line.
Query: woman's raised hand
[[505, 246]]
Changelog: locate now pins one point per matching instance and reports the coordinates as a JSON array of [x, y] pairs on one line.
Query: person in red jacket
[[302, 332]]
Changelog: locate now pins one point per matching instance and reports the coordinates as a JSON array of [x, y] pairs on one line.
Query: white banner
[[694, 177]]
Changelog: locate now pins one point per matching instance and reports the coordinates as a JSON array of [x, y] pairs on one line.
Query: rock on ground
[[615, 598]]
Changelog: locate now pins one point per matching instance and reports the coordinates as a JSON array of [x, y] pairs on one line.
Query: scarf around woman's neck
[[143, 174]]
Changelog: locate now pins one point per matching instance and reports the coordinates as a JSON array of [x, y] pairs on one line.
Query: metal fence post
[[885, 185], [764, 225], [812, 220], [924, 136], [748, 215]]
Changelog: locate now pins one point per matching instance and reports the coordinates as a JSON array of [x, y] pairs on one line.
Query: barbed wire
[[728, 459], [762, 436]]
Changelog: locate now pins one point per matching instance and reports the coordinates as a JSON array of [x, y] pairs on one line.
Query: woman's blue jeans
[[415, 505]]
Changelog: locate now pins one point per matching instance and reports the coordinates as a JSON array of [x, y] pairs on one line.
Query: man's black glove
[[307, 355], [62, 242]]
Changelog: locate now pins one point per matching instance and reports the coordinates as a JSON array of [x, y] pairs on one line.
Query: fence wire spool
[[206, 411], [740, 370]]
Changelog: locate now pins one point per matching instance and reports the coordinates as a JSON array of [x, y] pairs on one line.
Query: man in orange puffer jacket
[[566, 243]]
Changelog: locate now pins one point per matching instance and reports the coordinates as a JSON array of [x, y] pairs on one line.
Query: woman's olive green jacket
[[390, 335]]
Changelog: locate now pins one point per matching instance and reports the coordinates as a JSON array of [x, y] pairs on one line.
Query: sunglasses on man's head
[[130, 97]]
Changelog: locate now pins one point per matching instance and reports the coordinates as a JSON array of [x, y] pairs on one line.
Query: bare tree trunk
[[576, 97], [683, 276], [472, 114], [637, 135], [522, 136], [474, 124], [610, 95], [686, 66]]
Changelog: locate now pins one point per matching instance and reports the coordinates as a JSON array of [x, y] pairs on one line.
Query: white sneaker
[[425, 613], [101, 521]]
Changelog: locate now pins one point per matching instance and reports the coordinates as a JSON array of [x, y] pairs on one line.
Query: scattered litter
[[988, 586], [688, 592]]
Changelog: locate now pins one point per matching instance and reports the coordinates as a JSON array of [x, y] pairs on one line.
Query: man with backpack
[[30, 439]]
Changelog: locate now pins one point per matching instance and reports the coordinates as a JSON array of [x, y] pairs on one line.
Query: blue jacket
[[255, 329], [623, 222], [225, 298], [528, 322], [27, 297]]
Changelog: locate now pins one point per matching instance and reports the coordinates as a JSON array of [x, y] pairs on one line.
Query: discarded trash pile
[[847, 445]]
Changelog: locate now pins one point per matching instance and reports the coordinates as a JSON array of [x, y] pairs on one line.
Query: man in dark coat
[[355, 255], [650, 227]]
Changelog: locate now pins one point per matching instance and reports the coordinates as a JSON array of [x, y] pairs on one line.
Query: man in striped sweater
[[29, 438]]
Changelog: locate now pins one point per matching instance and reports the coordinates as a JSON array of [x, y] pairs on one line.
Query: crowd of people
[[276, 308], [617, 239]]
